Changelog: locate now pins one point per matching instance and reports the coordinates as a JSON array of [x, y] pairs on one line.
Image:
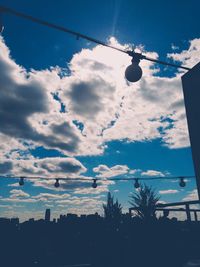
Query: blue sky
[[104, 127]]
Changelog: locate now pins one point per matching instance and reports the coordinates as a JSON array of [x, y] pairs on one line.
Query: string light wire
[[133, 54], [100, 179]]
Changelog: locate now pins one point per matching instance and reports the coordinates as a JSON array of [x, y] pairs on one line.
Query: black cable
[[57, 27], [101, 179], [164, 63], [77, 34]]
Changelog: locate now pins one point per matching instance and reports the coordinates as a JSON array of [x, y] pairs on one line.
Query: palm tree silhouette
[[144, 202], [112, 209]]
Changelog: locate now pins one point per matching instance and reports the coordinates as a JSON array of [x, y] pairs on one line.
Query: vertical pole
[[130, 213], [195, 216], [187, 208]]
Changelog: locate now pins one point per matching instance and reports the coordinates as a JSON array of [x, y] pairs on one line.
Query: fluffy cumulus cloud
[[15, 193], [27, 104], [169, 191], [188, 57], [152, 173], [100, 106], [47, 167], [105, 172]]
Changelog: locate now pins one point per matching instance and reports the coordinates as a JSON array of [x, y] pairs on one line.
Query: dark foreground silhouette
[[99, 242]]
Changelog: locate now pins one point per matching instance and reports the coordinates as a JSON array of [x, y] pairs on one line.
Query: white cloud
[[192, 195], [91, 191], [19, 196], [47, 167], [42, 169], [152, 173], [189, 57], [106, 172], [169, 191], [15, 193], [50, 197], [13, 185], [97, 97], [174, 47]]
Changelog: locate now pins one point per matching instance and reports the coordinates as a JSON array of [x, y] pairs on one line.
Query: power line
[[134, 55]]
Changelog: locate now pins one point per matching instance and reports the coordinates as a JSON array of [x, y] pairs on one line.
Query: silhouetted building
[[4, 220], [72, 216], [47, 215]]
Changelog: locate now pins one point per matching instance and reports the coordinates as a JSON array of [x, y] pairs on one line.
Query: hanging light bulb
[[133, 72], [136, 184], [94, 184], [57, 184], [182, 183], [21, 181]]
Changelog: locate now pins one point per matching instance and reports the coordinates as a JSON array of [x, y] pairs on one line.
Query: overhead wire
[[137, 184], [100, 179], [4, 9]]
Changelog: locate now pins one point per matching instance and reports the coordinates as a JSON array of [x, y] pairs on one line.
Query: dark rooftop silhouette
[[114, 240]]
